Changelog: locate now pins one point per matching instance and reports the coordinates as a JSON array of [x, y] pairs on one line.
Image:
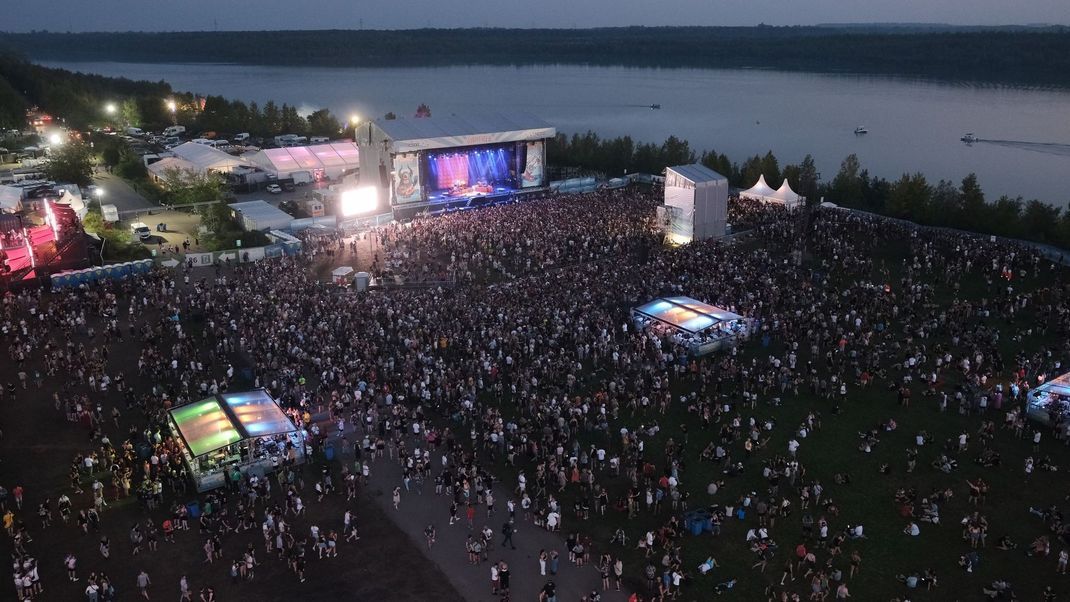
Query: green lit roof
[[205, 426]]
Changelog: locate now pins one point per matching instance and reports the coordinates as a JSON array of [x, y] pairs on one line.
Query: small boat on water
[[655, 107], [969, 138], [861, 130]]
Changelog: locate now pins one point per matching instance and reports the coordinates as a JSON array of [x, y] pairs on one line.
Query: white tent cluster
[[196, 159], [782, 196]]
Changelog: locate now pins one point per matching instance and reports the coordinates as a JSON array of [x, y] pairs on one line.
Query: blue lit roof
[[257, 414], [685, 313]]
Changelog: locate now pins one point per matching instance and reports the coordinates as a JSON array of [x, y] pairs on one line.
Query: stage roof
[[685, 313], [218, 421], [696, 173], [1056, 386], [205, 426], [257, 413], [463, 130]]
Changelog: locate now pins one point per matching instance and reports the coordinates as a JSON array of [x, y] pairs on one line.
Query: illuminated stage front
[[470, 173], [452, 162]]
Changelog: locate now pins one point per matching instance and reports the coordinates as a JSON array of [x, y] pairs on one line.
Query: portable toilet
[[361, 281]]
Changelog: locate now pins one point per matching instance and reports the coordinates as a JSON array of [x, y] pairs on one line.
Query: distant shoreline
[[1018, 56]]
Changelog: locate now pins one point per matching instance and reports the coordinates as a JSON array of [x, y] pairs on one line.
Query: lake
[[913, 125]]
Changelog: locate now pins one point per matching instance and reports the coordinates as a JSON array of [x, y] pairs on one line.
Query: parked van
[[241, 138], [203, 141], [318, 140], [140, 231], [134, 132], [174, 130]]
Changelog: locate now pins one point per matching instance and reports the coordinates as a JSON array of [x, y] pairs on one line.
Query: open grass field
[[869, 498]]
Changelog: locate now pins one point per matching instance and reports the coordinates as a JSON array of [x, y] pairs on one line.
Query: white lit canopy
[[763, 192], [334, 158]]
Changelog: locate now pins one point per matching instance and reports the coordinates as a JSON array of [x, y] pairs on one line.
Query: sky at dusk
[[187, 15]]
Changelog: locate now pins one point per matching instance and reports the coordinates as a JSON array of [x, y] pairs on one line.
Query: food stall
[[342, 276], [245, 432]]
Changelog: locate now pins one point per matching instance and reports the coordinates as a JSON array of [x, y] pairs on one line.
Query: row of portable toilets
[[115, 271]]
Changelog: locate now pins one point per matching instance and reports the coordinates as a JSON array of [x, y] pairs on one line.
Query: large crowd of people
[[529, 377]]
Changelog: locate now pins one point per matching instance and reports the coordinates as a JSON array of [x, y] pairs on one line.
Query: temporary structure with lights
[[697, 327], [696, 203], [243, 433]]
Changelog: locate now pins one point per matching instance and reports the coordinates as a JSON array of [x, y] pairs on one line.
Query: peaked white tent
[[761, 191], [788, 196]]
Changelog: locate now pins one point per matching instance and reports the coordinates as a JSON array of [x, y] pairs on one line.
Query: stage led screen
[[533, 166], [406, 180], [470, 172]]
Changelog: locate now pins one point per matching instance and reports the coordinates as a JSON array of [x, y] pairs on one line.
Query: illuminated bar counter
[[245, 432]]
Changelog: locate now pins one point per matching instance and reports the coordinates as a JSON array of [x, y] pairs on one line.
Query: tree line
[[1018, 55], [910, 197], [82, 99]]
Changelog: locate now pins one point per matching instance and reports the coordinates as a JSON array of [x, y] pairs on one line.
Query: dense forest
[[81, 99], [1038, 55]]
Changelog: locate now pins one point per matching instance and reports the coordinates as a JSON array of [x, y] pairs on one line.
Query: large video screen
[[472, 171], [534, 159], [406, 179]]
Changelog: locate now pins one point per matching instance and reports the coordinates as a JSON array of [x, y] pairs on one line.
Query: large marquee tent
[[332, 160]]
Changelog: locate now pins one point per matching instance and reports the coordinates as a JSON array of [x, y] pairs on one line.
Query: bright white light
[[359, 201], [171, 106], [55, 139], [110, 108], [354, 119], [99, 192]]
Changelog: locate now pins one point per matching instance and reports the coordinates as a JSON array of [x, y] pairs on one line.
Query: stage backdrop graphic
[[532, 175], [407, 179]]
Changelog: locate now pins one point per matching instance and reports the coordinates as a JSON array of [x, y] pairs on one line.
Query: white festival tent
[[198, 159], [765, 193]]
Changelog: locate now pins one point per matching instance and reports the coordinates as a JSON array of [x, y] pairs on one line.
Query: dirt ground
[[37, 447]]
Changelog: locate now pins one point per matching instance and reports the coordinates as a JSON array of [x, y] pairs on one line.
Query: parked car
[[288, 186], [140, 230], [274, 188]]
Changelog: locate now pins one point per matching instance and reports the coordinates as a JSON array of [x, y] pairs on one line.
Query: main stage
[[440, 164]]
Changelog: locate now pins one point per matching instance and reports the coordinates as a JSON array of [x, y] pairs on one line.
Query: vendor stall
[[233, 434], [342, 276], [698, 327], [1049, 403]]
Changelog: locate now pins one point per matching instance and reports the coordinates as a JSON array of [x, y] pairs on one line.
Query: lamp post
[[171, 106], [354, 121]]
